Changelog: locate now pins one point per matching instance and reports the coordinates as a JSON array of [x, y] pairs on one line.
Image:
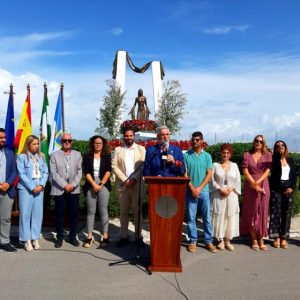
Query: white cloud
[[230, 103], [225, 29], [31, 41], [23, 49], [116, 31]]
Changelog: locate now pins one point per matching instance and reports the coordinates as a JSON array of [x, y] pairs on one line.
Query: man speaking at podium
[[164, 159]]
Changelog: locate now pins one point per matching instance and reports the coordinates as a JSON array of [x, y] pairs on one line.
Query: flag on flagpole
[[45, 127], [56, 130], [24, 128], [10, 122]]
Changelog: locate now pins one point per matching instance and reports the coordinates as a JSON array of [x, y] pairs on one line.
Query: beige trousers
[[130, 198]]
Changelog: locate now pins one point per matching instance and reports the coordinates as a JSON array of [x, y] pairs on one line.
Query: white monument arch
[[119, 74]]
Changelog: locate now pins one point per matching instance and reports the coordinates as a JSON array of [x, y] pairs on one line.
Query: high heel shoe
[[262, 246], [283, 244], [28, 246], [276, 243], [88, 242], [104, 243], [36, 245]]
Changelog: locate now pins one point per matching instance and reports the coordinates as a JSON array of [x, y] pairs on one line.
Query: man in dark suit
[[8, 173], [66, 173], [164, 159]]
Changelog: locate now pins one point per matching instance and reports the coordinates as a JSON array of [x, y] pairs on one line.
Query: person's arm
[[205, 181], [23, 178], [115, 167], [236, 186], [55, 176], [44, 172], [75, 183], [12, 171]]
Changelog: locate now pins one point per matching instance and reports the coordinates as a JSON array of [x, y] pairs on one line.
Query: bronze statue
[[143, 110]]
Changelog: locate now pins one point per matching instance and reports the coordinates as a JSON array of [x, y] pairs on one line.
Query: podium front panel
[[166, 198]]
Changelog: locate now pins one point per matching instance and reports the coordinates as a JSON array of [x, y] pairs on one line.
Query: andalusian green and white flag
[[45, 127]]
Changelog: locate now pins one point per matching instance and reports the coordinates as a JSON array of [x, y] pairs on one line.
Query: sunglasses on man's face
[[196, 140], [67, 141]]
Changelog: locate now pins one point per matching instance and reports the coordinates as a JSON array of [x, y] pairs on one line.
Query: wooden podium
[[166, 197]]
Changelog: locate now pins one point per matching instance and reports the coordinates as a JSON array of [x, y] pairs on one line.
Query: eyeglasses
[[258, 141], [67, 141], [196, 140]]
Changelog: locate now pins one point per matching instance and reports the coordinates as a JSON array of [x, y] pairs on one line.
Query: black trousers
[[70, 202], [280, 212]]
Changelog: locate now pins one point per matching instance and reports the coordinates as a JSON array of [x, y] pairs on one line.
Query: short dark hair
[[197, 133], [2, 130], [128, 129]]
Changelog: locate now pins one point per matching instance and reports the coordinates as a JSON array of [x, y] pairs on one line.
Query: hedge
[[214, 150]]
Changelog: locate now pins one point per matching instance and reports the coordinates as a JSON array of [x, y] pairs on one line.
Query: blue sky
[[237, 61]]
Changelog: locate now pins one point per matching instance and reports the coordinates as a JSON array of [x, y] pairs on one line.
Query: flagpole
[[11, 90], [15, 211], [62, 106], [41, 128]]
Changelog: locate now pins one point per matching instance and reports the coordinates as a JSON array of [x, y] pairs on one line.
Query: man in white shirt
[[127, 165]]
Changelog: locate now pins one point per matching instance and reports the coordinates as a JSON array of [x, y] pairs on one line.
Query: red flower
[[178, 163]]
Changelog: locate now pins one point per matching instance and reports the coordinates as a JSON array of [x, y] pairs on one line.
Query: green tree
[[171, 106], [111, 110]]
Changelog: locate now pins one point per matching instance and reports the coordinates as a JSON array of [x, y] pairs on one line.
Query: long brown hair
[[28, 141], [286, 151], [264, 149]]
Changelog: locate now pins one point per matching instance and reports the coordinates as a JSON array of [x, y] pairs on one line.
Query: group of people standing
[[213, 190], [218, 187]]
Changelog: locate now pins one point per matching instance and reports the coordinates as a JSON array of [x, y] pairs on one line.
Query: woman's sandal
[[262, 246], [254, 246], [88, 242]]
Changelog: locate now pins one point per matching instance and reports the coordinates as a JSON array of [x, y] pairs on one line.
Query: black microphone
[[164, 155]]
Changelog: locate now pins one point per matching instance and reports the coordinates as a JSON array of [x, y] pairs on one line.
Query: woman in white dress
[[224, 190]]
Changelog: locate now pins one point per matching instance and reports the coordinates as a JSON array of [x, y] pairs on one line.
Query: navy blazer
[[155, 166], [88, 168], [276, 171], [11, 171]]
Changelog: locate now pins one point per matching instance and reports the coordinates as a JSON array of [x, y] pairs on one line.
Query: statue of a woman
[[143, 110]]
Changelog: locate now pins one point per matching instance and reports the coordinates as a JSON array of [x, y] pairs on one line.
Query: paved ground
[[78, 273]]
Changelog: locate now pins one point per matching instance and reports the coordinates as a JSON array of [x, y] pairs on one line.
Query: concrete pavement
[[79, 273]]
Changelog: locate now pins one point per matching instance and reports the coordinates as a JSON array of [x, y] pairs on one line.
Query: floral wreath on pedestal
[[139, 125]]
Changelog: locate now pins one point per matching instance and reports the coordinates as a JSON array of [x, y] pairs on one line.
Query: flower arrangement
[[184, 145], [139, 125]]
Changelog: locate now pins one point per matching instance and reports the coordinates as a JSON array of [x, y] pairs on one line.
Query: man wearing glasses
[[199, 168], [66, 172], [164, 159]]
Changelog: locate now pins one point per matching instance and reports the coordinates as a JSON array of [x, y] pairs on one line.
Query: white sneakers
[[28, 245]]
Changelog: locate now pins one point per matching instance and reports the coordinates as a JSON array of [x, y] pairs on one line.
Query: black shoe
[[140, 243], [74, 242], [58, 243], [8, 247], [88, 242], [122, 242], [104, 243]]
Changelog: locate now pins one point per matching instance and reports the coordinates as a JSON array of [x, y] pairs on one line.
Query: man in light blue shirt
[[199, 168], [8, 173]]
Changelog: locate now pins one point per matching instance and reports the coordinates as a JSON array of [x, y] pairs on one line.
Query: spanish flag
[[24, 128]]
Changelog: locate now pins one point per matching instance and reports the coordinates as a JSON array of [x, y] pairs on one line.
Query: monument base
[[144, 136]]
